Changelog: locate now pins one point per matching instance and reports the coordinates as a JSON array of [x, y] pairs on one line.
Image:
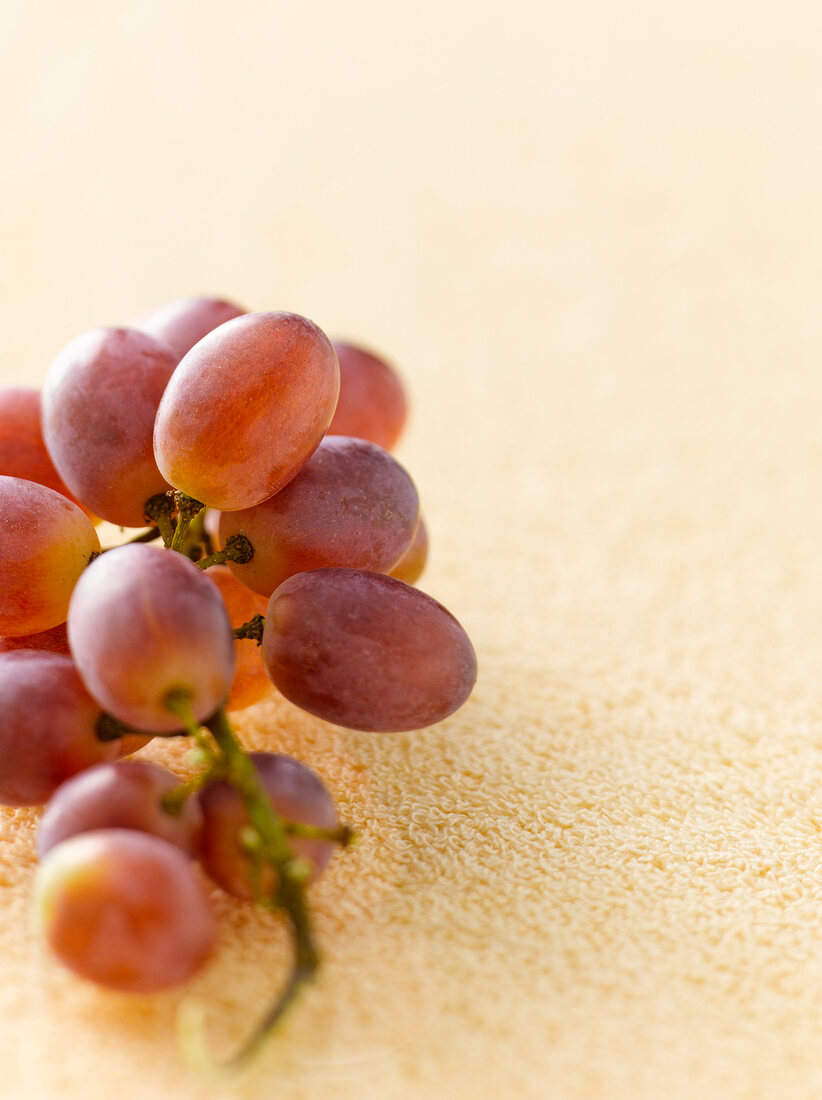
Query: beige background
[[590, 235]]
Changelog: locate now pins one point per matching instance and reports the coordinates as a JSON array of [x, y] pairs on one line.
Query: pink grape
[[99, 403], [246, 408], [52, 641], [22, 450], [125, 910], [45, 544], [352, 504], [185, 321], [411, 565], [250, 683], [48, 732], [297, 794], [125, 794], [366, 651], [372, 403], [145, 623]]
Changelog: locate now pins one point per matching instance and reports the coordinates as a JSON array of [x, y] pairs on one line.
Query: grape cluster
[[257, 452]]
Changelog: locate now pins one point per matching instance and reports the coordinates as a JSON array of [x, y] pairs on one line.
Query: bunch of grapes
[[279, 544]]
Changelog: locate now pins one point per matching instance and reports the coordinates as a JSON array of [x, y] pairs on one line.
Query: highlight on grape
[[275, 543]]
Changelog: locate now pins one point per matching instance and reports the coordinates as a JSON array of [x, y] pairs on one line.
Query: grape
[[99, 403], [145, 623], [372, 403], [125, 910], [22, 450], [366, 651], [45, 544], [48, 731], [250, 684], [296, 793], [411, 565], [246, 409], [185, 321], [352, 505], [132, 742], [121, 795], [52, 641]]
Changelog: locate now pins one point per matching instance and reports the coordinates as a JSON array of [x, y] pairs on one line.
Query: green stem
[[237, 549], [159, 509], [289, 893], [187, 509], [252, 629], [344, 835]]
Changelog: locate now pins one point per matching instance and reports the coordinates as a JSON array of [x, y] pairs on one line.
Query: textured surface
[[590, 234]]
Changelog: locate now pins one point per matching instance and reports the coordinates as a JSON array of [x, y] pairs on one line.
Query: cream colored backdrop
[[590, 235]]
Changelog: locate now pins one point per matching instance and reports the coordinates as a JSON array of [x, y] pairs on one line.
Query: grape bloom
[[253, 454]]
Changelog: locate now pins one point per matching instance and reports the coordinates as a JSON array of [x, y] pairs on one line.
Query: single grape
[[246, 409], [372, 403], [22, 450], [125, 910], [52, 641], [144, 624], [99, 403], [185, 321], [250, 683], [352, 505], [126, 794], [411, 565], [130, 743], [45, 544], [297, 794], [366, 651], [48, 732]]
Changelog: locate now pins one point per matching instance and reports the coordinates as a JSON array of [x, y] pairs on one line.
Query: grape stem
[[237, 549], [187, 509], [289, 892], [159, 509], [252, 629]]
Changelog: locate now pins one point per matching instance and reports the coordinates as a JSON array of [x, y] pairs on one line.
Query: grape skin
[[366, 651], [185, 321], [411, 565], [22, 449], [143, 623], [297, 794], [125, 910], [48, 731], [246, 408], [45, 544], [372, 403], [54, 640], [351, 505], [120, 795], [100, 399], [250, 683]]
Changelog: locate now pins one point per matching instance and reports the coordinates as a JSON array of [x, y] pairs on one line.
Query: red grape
[[297, 794], [351, 505], [145, 623], [52, 641], [99, 403], [372, 403], [185, 321], [126, 794], [125, 910], [45, 544], [250, 683], [411, 565], [246, 409], [366, 651], [22, 450], [48, 732]]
